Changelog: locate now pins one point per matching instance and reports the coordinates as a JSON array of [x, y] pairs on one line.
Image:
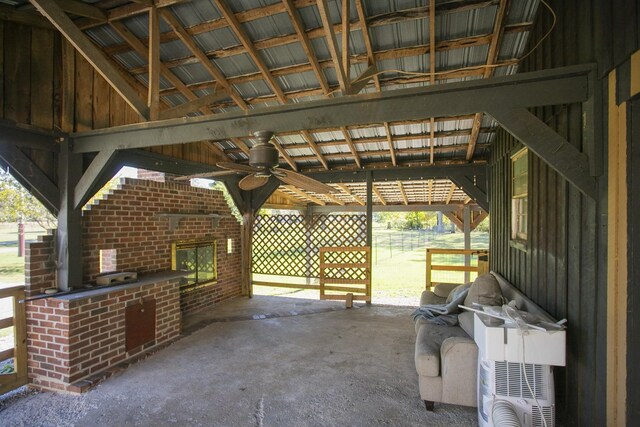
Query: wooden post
[[370, 223], [466, 213], [246, 241], [428, 270], [69, 234], [483, 264]]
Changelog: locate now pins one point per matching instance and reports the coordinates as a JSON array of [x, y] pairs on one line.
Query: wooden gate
[[345, 271], [13, 375], [453, 264]]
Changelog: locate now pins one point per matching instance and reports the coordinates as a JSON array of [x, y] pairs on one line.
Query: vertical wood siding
[[564, 268]]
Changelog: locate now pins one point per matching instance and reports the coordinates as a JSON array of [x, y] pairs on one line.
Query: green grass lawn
[[399, 264], [11, 266]]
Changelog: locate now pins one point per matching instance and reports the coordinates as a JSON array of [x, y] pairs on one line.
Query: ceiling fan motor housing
[[263, 156]]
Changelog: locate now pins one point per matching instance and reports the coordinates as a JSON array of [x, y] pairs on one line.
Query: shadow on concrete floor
[[333, 368]]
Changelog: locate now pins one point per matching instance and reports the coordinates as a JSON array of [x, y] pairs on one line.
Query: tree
[[18, 205]]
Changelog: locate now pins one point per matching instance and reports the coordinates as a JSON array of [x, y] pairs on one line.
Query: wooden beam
[[81, 42], [83, 9], [334, 199], [556, 151], [332, 43], [241, 145], [153, 101], [284, 154], [478, 218], [392, 149], [309, 138], [194, 105], [85, 188], [206, 63], [476, 192], [141, 50], [363, 80], [240, 33], [455, 219], [492, 57], [547, 87], [298, 26], [371, 59], [379, 195], [450, 194], [287, 196], [346, 189], [430, 191], [352, 146], [304, 195], [308, 49], [32, 19], [30, 176], [346, 32], [403, 193]]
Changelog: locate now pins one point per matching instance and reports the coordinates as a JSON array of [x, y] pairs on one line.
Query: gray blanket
[[443, 314]]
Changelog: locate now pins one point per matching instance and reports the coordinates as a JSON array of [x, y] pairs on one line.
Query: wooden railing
[[346, 273], [18, 352], [459, 276]]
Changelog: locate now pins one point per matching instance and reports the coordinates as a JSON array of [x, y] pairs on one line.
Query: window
[[199, 259], [519, 195], [229, 246]]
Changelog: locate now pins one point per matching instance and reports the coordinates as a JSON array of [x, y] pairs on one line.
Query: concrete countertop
[[147, 279]]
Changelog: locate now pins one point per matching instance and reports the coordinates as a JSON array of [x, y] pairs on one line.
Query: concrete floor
[[331, 368]]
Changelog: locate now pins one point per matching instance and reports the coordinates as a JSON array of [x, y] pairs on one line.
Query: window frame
[[201, 243], [517, 238]]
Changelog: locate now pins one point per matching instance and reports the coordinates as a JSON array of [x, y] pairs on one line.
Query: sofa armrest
[[444, 289], [459, 360], [429, 297]]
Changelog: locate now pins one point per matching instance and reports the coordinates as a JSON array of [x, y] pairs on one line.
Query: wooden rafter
[[346, 189], [492, 57], [153, 99], [403, 193], [332, 43], [284, 154], [346, 30], [334, 199], [371, 59], [193, 105], [298, 26], [312, 144], [305, 195], [392, 81], [352, 146], [241, 145], [395, 53], [313, 61], [450, 194], [392, 149], [91, 53], [250, 49], [206, 63], [141, 50], [287, 196], [378, 194]]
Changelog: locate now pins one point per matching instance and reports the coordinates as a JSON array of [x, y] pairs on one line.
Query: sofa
[[446, 357]]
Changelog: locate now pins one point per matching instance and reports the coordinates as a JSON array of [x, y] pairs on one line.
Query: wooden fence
[[458, 276], [345, 273], [18, 375]]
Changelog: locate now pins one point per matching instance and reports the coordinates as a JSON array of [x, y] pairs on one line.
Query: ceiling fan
[[263, 164]]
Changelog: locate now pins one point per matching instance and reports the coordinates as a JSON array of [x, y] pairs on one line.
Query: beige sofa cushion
[[465, 319], [428, 344], [485, 290]]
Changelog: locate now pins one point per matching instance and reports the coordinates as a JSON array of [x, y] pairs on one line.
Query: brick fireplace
[[135, 228]]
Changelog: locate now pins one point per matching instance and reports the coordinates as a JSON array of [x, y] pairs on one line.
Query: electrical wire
[[472, 67], [524, 331]]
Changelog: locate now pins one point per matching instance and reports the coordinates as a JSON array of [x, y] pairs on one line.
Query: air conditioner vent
[[511, 383]]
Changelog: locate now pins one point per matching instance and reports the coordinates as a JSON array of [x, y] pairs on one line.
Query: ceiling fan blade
[[304, 182], [251, 182], [238, 167], [205, 175]]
